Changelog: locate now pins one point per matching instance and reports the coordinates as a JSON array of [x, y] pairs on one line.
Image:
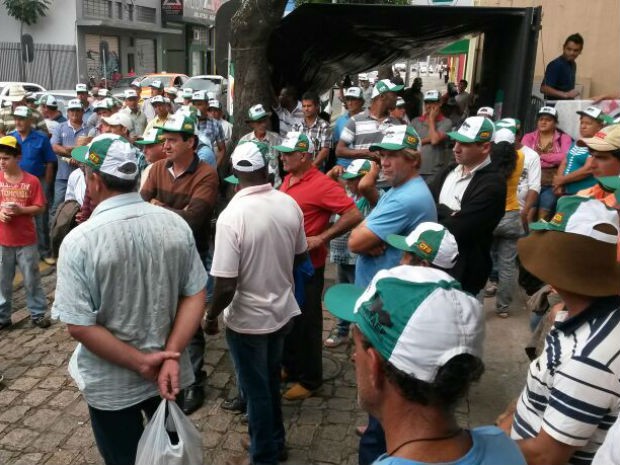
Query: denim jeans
[[257, 359], [505, 237], [303, 352], [27, 260], [42, 221], [372, 443], [117, 432], [345, 275]]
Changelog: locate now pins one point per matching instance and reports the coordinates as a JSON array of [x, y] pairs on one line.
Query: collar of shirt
[[117, 201], [423, 118], [32, 134], [75, 131], [598, 308], [308, 175], [254, 190], [310, 126], [193, 166], [460, 170]]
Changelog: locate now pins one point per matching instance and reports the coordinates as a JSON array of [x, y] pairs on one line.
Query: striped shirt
[[7, 121], [125, 269], [363, 130], [573, 388]]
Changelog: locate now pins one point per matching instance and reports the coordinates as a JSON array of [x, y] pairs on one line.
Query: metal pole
[[105, 70]]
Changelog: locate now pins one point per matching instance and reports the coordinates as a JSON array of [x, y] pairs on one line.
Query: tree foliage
[[27, 11]]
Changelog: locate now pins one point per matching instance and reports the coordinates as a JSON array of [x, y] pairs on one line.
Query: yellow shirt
[[512, 199]]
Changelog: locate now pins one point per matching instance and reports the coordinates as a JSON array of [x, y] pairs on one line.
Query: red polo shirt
[[319, 197]]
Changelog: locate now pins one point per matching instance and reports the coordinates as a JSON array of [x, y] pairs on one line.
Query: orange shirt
[[598, 193]]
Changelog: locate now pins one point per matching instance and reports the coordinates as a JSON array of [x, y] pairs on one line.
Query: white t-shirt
[[76, 187], [609, 452], [256, 240], [530, 176], [456, 183]]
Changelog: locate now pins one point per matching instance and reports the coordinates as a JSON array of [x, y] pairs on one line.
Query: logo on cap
[[96, 159], [557, 219], [412, 140], [424, 247], [485, 134]]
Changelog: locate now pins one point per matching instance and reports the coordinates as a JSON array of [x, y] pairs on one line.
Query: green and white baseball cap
[[474, 129], [597, 114], [130, 93], [187, 92], [179, 122], [232, 179], [356, 169], [103, 93], [489, 112], [200, 95], [250, 156], [171, 90], [22, 112], [214, 103], [157, 99], [431, 242], [74, 104], [256, 113], [385, 85], [295, 142], [48, 100], [81, 88], [135, 83], [549, 111], [110, 154], [432, 96], [151, 137], [397, 138], [354, 92], [156, 84], [581, 215], [417, 318]]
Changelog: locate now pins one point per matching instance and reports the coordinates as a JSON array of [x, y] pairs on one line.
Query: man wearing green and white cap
[[152, 144], [354, 104], [81, 92], [258, 120], [162, 113], [571, 394], [429, 244], [366, 128], [418, 348], [471, 200], [208, 127], [258, 307], [132, 340], [433, 128], [183, 184], [17, 97], [49, 108], [157, 89], [319, 197], [132, 109], [408, 203]]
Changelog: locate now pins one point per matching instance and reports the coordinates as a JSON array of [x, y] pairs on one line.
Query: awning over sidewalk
[[456, 48]]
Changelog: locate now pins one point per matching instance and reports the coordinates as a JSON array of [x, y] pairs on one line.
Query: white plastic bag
[[157, 448]]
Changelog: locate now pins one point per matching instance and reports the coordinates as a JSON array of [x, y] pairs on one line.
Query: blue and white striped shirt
[[573, 387]]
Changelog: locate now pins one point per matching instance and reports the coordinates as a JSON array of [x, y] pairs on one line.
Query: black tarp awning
[[317, 44]]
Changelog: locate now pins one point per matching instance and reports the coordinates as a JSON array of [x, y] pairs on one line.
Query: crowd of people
[[423, 217]]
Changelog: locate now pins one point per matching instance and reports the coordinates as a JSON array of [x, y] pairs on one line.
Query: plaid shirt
[[338, 250], [319, 133], [212, 129]]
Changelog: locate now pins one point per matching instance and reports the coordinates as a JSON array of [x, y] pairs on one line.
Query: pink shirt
[[559, 149]]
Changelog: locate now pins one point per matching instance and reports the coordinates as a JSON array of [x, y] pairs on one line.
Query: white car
[[28, 86]]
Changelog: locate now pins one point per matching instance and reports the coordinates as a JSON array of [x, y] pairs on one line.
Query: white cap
[[432, 96], [354, 92], [215, 103], [81, 88], [101, 105], [157, 84], [486, 111], [187, 92], [74, 104], [548, 111], [362, 77], [200, 95], [48, 100], [383, 86], [135, 83], [400, 102], [157, 99], [249, 156], [103, 93], [429, 241], [110, 154], [171, 90], [504, 135], [119, 119], [22, 112], [257, 112], [130, 93]]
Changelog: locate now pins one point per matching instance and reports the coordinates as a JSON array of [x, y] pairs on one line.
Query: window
[[98, 8], [146, 14], [119, 10], [130, 12]]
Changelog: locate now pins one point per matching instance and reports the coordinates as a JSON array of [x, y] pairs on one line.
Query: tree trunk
[[251, 27]]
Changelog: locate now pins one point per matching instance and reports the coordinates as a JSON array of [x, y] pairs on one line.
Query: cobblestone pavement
[[44, 420]]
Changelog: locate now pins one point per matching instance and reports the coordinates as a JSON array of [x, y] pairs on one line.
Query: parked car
[[169, 80], [28, 86], [124, 84]]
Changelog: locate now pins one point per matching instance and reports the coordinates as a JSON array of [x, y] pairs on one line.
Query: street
[[44, 420]]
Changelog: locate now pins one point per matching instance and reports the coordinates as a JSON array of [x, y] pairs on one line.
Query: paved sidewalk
[[44, 420]]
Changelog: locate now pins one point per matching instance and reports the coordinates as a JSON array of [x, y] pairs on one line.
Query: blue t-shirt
[[575, 159], [36, 152], [398, 211], [490, 447], [338, 127], [560, 74]]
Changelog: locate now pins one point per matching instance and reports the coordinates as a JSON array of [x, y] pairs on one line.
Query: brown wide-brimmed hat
[[575, 251]]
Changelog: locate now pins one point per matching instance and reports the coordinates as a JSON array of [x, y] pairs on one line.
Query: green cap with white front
[[385, 85], [474, 129], [429, 241], [417, 318], [397, 138], [581, 215], [356, 169], [295, 142], [610, 184], [109, 154], [181, 123], [152, 136], [596, 114]]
